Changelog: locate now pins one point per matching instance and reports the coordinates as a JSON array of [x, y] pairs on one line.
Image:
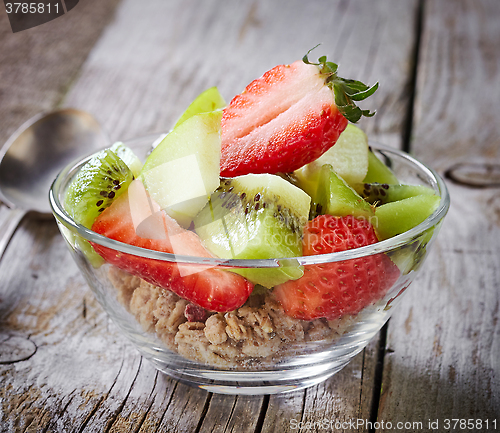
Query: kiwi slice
[[335, 197], [397, 217], [378, 172], [102, 179], [256, 216], [381, 193], [98, 183]]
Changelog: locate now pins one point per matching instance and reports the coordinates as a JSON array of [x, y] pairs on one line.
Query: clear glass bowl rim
[[380, 247]]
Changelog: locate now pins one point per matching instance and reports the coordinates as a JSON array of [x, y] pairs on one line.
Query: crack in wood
[[101, 400], [192, 390], [64, 409], [22, 400], [231, 413], [91, 414], [360, 405], [412, 81], [303, 408], [141, 421], [167, 406], [22, 406], [113, 419], [377, 387], [154, 384], [204, 413], [262, 414]]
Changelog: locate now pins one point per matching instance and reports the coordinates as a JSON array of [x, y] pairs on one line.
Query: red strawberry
[[210, 288], [288, 118], [331, 290]]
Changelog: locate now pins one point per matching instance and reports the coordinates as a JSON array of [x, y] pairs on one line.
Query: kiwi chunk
[[397, 217], [102, 179], [256, 216], [98, 183], [127, 155], [335, 197], [410, 256], [381, 193], [378, 172]]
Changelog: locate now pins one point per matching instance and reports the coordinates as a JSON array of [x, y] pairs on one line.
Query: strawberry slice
[[205, 286], [332, 290], [288, 118]]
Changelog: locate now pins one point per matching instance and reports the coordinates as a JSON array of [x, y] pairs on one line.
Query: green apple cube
[[207, 101], [348, 157], [183, 170]]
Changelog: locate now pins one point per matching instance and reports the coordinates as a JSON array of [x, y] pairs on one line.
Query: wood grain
[[148, 64], [444, 343]]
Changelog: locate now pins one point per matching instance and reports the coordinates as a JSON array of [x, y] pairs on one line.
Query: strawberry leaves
[[346, 91]]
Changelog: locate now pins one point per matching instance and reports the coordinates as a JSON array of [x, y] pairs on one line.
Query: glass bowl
[[255, 349]]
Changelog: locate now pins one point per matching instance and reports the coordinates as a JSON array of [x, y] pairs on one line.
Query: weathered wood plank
[[444, 342]]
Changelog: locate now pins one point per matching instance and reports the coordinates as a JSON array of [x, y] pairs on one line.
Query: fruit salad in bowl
[[259, 245]]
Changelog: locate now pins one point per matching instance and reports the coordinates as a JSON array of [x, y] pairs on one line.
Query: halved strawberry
[[332, 290], [208, 287], [288, 118]]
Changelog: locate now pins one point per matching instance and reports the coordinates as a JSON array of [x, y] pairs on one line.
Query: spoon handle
[[8, 227]]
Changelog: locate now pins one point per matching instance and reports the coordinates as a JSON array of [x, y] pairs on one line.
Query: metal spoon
[[34, 155]]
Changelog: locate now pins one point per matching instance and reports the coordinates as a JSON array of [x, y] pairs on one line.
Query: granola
[[257, 331]]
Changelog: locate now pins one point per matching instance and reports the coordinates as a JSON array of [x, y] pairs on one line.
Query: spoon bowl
[[35, 153]]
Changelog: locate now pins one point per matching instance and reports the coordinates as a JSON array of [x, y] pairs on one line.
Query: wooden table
[[135, 65]]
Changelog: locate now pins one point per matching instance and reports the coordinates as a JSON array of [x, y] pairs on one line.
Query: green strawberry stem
[[346, 91]]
